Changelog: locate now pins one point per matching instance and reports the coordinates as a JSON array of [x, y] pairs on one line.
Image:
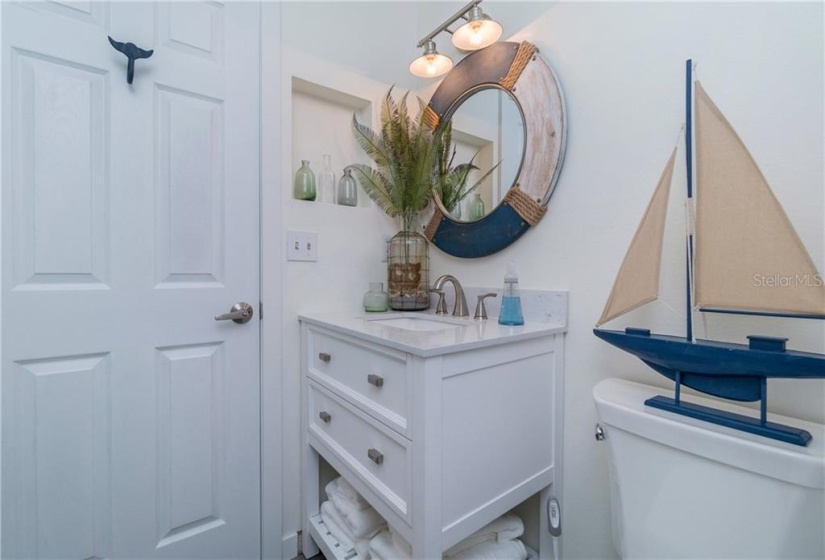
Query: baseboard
[[289, 546]]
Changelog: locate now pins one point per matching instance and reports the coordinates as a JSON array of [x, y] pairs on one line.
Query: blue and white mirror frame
[[518, 69]]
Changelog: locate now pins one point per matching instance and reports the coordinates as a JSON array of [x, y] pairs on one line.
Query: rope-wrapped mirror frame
[[518, 69]]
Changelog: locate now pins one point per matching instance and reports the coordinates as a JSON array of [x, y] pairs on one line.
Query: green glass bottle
[[304, 186], [476, 208], [347, 189]]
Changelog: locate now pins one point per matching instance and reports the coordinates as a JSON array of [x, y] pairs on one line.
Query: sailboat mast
[[689, 165]]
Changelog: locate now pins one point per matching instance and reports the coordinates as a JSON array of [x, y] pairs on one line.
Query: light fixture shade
[[431, 64], [480, 31]]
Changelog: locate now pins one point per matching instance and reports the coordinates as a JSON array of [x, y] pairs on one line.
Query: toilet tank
[[681, 488]]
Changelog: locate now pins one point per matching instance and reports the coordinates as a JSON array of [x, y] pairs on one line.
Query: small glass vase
[[376, 299], [304, 186], [455, 211], [326, 182], [408, 269], [347, 189], [475, 210]]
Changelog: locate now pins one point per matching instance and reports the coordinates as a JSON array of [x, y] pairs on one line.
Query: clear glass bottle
[[326, 182], [376, 299], [511, 301], [304, 186], [347, 189], [476, 208]]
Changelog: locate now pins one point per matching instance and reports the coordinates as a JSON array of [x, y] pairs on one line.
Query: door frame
[[273, 547], [3, 147], [273, 544]]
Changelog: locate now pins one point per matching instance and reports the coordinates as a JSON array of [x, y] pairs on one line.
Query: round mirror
[[504, 99], [487, 130]]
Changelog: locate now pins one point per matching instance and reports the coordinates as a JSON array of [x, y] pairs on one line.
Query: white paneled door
[[130, 416]]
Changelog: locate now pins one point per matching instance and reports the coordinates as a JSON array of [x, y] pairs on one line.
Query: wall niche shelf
[[322, 124]]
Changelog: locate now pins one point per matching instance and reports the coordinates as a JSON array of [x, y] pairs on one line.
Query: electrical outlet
[[302, 246]]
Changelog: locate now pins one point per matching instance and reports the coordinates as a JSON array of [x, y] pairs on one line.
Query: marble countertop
[[426, 334]]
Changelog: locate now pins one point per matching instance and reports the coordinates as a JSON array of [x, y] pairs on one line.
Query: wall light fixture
[[478, 32]]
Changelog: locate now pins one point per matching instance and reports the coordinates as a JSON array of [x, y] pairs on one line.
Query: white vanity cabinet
[[440, 429]]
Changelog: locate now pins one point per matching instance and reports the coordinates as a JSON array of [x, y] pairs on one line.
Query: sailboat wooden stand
[[741, 230], [759, 426]]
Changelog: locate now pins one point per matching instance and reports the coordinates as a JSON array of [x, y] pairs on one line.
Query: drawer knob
[[375, 456], [324, 357], [376, 380], [325, 416]]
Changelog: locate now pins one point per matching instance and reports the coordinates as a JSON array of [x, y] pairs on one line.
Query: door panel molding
[[64, 460], [189, 193], [203, 36], [60, 185], [191, 412]]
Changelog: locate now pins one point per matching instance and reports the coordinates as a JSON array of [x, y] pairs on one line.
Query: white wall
[[622, 69]]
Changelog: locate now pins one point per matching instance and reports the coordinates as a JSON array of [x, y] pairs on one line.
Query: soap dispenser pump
[[511, 301]]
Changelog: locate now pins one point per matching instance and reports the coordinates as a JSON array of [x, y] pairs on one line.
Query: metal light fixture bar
[[478, 32], [448, 22]]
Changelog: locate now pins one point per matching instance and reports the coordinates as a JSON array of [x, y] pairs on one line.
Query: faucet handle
[[481, 311], [441, 306]]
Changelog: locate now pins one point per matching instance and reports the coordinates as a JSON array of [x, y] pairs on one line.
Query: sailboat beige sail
[[638, 280], [742, 235], [742, 232]]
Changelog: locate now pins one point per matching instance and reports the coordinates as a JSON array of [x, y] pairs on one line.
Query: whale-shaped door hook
[[132, 52]]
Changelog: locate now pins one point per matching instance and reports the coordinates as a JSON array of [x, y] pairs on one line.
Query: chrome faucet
[[460, 309]]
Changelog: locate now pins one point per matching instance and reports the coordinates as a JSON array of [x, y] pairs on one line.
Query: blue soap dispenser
[[511, 302]]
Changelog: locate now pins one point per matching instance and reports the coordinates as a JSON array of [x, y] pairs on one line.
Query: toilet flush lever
[[599, 433]]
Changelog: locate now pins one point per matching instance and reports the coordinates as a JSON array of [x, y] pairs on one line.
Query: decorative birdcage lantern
[[408, 267]]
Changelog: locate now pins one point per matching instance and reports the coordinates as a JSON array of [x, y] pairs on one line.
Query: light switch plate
[[302, 246]]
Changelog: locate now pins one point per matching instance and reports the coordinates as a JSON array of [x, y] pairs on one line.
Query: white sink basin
[[416, 323]]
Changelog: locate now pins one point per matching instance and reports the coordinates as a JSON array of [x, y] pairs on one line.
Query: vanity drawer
[[379, 456], [373, 378]]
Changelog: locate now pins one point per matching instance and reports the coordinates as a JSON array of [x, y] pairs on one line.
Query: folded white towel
[[400, 544], [348, 491], [340, 491], [382, 548], [507, 527], [336, 526], [494, 550], [362, 523], [362, 547]]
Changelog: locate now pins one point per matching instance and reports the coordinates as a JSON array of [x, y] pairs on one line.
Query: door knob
[[240, 313]]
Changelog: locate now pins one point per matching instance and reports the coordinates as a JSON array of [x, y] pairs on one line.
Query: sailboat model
[[744, 257]]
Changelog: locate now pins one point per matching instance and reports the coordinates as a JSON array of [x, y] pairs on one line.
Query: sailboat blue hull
[[731, 371], [722, 369]]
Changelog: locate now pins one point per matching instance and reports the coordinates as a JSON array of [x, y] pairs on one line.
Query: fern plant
[[450, 182], [400, 181]]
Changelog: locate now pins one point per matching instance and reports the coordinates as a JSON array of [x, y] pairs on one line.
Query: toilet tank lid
[[620, 403]]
